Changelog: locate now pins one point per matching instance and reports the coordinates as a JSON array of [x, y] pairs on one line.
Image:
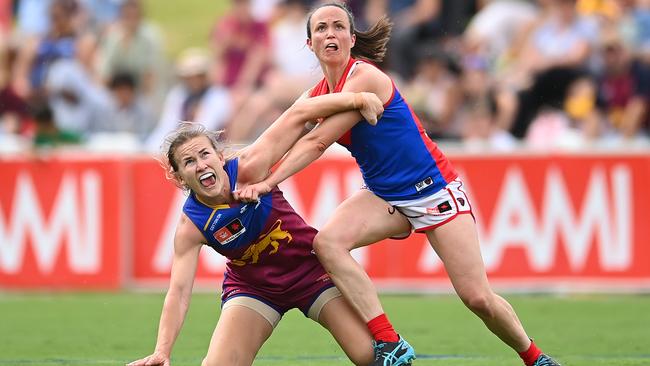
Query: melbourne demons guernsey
[[397, 159], [268, 245]]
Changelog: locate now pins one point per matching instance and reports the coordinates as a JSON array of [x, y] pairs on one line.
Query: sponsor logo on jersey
[[444, 207], [214, 223], [270, 240], [229, 232], [423, 184]]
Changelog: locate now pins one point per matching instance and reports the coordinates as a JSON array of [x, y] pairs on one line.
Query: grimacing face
[[200, 168], [331, 38]]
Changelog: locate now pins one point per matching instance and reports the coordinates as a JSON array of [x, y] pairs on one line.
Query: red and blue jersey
[[397, 159], [268, 245]]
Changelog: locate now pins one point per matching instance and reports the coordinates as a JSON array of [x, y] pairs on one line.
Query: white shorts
[[272, 315], [441, 207]]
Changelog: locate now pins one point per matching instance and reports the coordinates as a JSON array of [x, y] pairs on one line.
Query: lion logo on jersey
[[272, 238]]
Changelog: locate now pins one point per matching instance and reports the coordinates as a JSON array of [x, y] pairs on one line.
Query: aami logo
[[74, 219], [601, 221]]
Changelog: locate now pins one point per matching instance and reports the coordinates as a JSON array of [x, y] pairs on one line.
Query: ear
[[309, 44], [354, 39], [179, 180]]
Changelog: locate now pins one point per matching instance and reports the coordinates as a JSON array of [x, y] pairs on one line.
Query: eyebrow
[[334, 21]]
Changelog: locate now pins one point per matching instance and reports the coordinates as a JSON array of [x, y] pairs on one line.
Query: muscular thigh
[[239, 335], [364, 219], [456, 243]]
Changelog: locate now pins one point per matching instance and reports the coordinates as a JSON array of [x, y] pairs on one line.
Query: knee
[[328, 246], [480, 303]]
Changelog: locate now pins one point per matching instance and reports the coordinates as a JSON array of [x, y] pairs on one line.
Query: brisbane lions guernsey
[[268, 245], [397, 159]]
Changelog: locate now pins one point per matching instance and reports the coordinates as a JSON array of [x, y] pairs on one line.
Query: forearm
[[301, 155], [325, 105], [171, 321]]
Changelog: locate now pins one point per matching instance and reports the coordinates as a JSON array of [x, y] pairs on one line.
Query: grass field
[[186, 25], [111, 329]]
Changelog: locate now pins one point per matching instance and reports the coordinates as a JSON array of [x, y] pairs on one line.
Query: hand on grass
[[155, 359]]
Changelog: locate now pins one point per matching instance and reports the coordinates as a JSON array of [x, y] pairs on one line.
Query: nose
[[201, 165]]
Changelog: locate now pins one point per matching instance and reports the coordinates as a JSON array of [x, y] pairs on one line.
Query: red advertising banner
[[61, 224], [566, 222], [545, 222]]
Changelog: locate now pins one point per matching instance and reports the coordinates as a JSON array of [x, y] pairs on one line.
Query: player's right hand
[[251, 193], [155, 359], [371, 107]]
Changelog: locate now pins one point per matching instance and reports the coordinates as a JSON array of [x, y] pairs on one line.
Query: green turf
[[184, 23], [110, 329]]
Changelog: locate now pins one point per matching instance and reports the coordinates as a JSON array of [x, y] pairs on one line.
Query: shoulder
[[187, 234], [368, 78]]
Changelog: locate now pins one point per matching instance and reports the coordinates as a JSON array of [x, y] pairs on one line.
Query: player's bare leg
[[360, 220], [238, 337], [350, 333], [456, 243]]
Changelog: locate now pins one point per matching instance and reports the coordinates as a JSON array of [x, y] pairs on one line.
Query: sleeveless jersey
[[268, 245], [397, 159]]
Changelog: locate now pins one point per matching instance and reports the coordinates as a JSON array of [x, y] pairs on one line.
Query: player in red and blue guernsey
[[411, 186], [271, 267]]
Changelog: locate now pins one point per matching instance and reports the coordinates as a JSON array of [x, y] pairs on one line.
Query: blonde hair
[[185, 132]]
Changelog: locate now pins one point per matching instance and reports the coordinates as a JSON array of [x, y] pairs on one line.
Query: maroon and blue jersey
[[397, 159], [268, 246]]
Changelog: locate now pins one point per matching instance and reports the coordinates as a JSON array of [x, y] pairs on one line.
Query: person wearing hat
[[193, 98]]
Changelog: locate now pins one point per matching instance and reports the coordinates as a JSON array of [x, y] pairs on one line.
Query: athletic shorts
[[437, 209], [272, 313], [309, 296]]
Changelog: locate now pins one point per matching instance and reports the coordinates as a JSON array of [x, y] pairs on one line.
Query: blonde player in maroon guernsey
[[271, 267]]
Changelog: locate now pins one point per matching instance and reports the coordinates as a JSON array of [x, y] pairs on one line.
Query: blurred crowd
[[486, 74]]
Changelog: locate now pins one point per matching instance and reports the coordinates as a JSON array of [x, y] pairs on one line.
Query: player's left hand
[[251, 193], [370, 106]]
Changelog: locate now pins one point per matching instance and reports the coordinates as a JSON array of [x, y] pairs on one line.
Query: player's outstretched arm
[[256, 160], [309, 148], [187, 245]]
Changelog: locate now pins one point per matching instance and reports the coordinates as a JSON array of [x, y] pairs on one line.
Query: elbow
[[298, 112]]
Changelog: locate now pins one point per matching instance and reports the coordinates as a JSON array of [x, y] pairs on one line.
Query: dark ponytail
[[371, 44]]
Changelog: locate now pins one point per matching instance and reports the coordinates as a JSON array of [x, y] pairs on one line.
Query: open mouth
[[331, 47], [208, 179]]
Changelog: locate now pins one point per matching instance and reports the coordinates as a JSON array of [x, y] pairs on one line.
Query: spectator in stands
[[193, 98], [47, 133], [99, 14], [32, 18], [293, 70], [76, 99], [494, 29], [132, 45], [126, 112], [481, 131], [13, 110], [241, 50], [555, 55], [62, 41], [415, 23], [624, 88], [434, 93]]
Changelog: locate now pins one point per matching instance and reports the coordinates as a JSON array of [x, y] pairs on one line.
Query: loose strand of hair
[[371, 44]]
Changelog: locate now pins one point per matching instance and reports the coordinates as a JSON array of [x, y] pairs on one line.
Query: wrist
[[162, 351], [357, 101]]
